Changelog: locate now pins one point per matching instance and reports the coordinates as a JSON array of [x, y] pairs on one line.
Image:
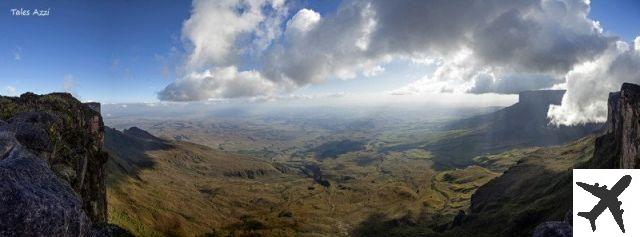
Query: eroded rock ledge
[[52, 175]]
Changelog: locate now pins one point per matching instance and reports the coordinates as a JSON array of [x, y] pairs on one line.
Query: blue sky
[[125, 51], [112, 51], [621, 17]]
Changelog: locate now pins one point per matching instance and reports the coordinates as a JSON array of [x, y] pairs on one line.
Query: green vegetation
[[324, 177], [132, 224], [335, 148], [530, 192], [503, 161], [196, 190]]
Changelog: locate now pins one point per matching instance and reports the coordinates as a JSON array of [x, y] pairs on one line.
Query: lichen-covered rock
[[556, 228], [30, 130], [33, 201], [68, 135], [553, 229], [7, 143]]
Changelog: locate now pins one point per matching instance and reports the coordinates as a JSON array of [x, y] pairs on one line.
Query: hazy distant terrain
[[294, 133], [315, 171], [181, 189], [312, 118]]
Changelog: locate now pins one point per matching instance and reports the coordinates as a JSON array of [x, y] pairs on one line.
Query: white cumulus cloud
[[589, 84], [218, 33], [226, 82], [491, 46]]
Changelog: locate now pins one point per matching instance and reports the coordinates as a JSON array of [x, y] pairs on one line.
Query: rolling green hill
[[531, 191], [158, 187]]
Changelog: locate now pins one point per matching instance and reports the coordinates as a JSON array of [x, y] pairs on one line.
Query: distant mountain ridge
[[524, 124]]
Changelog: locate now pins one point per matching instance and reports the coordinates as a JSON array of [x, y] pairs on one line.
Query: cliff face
[[625, 125], [619, 146], [51, 164]]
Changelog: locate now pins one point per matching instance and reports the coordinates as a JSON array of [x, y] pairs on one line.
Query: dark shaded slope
[[335, 148], [133, 149], [536, 190], [533, 191], [524, 124], [167, 188], [128, 152]]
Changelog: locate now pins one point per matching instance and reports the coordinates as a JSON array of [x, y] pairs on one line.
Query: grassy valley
[[330, 175], [328, 186], [528, 193]]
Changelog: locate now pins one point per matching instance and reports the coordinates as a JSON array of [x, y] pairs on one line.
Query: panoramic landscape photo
[[314, 117]]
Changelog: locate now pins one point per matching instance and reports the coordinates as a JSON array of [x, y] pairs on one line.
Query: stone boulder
[[553, 229], [30, 130], [34, 201], [556, 228]]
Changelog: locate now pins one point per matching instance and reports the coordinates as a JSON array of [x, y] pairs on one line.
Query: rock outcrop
[[555, 228], [619, 146], [33, 201], [52, 175]]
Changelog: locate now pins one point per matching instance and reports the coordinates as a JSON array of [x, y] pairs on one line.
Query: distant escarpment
[[52, 175], [524, 124]]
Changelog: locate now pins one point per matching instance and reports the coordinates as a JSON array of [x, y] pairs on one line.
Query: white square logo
[[603, 202]]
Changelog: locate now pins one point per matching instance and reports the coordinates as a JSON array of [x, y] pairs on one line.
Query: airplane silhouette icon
[[608, 199]]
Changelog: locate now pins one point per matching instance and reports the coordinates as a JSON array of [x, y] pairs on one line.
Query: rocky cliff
[[619, 146], [52, 175]]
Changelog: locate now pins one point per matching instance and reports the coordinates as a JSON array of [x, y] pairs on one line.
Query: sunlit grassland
[[186, 193]]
